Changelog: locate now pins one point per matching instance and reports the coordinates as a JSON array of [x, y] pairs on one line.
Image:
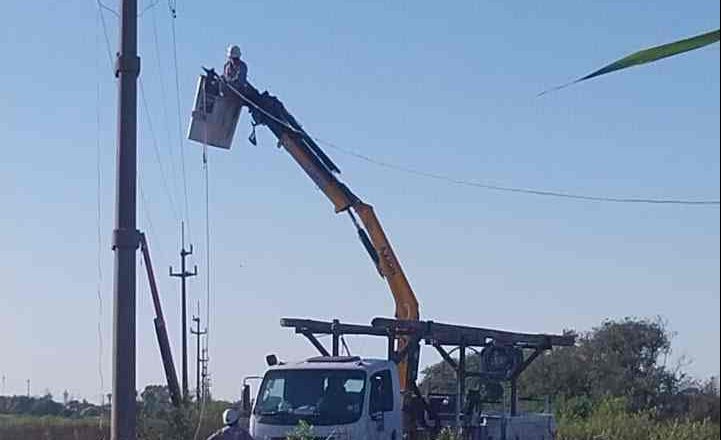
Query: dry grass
[[51, 428]]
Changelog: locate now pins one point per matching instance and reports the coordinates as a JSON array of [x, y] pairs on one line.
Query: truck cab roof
[[336, 363]]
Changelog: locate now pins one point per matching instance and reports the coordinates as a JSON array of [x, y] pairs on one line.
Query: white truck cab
[[343, 398]]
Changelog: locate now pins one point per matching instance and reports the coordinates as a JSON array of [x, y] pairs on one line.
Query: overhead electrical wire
[[102, 5], [164, 101], [471, 183], [148, 7], [158, 160], [173, 16], [528, 191], [105, 32], [206, 173], [207, 270], [140, 14], [98, 223]]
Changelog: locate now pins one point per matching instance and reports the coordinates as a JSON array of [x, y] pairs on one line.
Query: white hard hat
[[233, 51], [231, 416]]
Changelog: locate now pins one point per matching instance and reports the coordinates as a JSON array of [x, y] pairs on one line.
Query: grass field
[[610, 424], [51, 428], [602, 425], [59, 428]]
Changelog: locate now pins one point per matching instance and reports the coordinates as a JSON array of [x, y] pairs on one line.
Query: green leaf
[[650, 55]]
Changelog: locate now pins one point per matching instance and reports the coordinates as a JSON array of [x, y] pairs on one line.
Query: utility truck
[[353, 398], [349, 397]]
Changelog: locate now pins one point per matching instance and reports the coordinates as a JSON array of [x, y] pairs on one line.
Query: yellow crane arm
[[371, 234]]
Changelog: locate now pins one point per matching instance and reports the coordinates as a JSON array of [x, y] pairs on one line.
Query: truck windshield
[[319, 397]]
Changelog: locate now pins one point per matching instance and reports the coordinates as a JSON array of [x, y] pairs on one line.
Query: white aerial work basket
[[214, 116]]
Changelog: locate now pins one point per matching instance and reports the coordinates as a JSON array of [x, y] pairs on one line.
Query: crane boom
[[269, 111]]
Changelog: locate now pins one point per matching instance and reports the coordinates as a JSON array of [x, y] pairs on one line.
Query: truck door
[[381, 420]]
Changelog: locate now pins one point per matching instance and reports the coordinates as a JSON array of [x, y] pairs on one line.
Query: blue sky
[[445, 89]]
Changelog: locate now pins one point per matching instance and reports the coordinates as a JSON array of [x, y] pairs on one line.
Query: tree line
[[628, 359]]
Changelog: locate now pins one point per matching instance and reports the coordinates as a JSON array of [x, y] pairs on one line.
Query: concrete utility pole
[[125, 234], [205, 379], [183, 274], [28, 384], [198, 334]]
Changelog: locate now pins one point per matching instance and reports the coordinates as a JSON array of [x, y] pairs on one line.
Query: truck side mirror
[[245, 400]]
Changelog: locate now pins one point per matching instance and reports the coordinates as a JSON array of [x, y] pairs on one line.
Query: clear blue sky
[[446, 89]]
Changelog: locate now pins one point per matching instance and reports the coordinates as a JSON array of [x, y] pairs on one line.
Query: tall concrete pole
[[125, 234], [198, 334], [183, 274]]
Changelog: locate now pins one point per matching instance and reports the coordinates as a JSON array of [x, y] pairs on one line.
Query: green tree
[[155, 400], [624, 358], [45, 406], [440, 377]]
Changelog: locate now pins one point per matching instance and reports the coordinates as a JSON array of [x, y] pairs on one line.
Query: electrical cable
[[250, 103], [173, 12], [528, 191], [148, 7], [164, 100], [98, 224], [105, 32], [208, 271], [108, 8], [156, 150], [457, 181], [206, 173]]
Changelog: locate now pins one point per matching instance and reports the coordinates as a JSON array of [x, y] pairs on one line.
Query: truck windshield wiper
[[274, 413]]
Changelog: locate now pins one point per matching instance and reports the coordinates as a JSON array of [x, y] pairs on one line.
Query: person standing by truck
[[232, 429]]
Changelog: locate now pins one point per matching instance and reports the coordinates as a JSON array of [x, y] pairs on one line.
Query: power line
[[102, 5], [207, 246], [449, 179], [173, 13], [105, 31], [148, 7], [206, 358], [206, 178], [158, 160], [98, 216], [207, 223], [164, 100], [140, 14], [528, 191]]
